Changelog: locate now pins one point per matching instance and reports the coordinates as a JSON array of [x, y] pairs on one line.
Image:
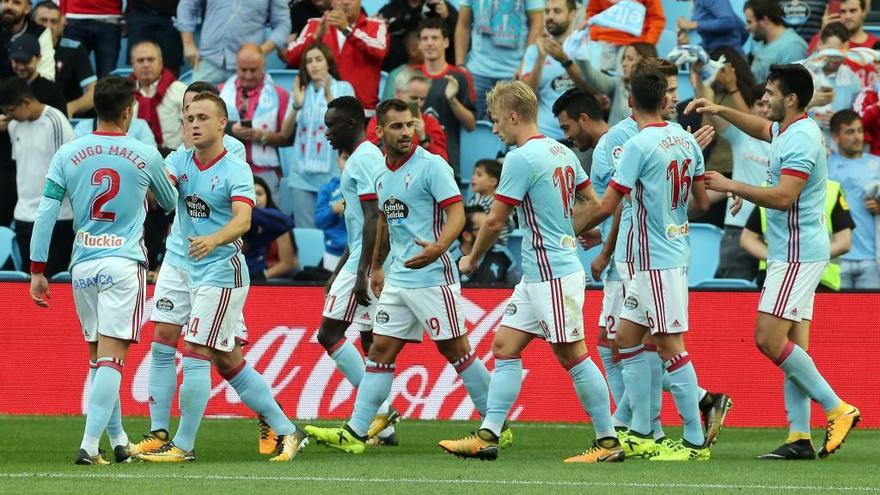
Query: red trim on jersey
[[453, 310], [219, 315], [794, 235], [557, 303], [369, 197], [138, 315], [108, 133], [659, 300], [617, 187], [644, 248], [785, 289], [448, 201], [236, 263], [507, 200], [783, 129], [444, 258], [657, 124], [539, 136], [795, 173], [209, 164], [412, 149], [243, 199], [38, 267], [569, 366], [537, 240], [786, 351], [351, 308], [699, 178], [582, 185], [173, 179]]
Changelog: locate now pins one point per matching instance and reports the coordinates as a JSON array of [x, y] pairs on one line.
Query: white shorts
[[341, 304], [658, 299], [789, 289], [109, 294], [216, 314], [171, 303], [626, 270], [405, 313], [613, 295], [552, 310]]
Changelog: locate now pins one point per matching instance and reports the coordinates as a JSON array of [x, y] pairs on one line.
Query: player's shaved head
[[513, 97]]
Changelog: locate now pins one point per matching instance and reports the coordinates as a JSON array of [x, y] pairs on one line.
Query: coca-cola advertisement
[[45, 362]]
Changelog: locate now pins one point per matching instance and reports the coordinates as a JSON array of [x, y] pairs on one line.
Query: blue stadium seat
[[383, 78], [726, 283], [61, 277], [12, 275], [309, 246], [284, 77], [477, 145], [121, 72], [7, 245], [705, 242], [372, 6]]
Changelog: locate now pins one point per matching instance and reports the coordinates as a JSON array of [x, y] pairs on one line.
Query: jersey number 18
[[563, 178]]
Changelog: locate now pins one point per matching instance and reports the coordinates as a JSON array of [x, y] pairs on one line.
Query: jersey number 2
[[680, 182], [563, 178], [98, 178]]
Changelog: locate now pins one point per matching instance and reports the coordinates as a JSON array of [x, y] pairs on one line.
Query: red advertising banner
[[44, 361]]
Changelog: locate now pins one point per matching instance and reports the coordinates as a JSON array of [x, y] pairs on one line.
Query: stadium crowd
[[441, 58]]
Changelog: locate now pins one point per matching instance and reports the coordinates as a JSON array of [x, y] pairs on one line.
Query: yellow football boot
[[481, 445], [846, 417]]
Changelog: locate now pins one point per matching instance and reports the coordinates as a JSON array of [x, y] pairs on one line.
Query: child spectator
[[495, 264], [484, 181], [330, 217], [269, 249]]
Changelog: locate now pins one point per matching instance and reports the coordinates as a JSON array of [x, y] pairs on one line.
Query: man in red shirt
[[852, 15], [358, 42]]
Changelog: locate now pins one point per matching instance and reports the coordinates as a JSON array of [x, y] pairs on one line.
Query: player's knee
[[328, 337], [381, 352], [166, 332], [767, 344], [503, 350]]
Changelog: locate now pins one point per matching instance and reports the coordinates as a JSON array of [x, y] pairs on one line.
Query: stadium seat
[[514, 245], [477, 145], [705, 242], [372, 6], [284, 77], [383, 78], [7, 245], [61, 277], [12, 275], [309, 246], [726, 283], [121, 72]]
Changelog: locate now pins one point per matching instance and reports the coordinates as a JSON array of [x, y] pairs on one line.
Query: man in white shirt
[[36, 131]]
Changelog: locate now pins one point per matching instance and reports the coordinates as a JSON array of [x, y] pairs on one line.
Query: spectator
[[300, 13], [360, 41], [429, 134], [314, 160], [414, 59], [484, 181], [836, 84], [867, 106], [24, 56], [547, 69], [257, 107], [226, 26], [856, 171], [717, 24], [154, 20], [451, 96], [774, 43], [159, 95], [330, 217], [496, 263], [852, 15], [804, 16], [15, 21], [613, 40], [490, 39], [98, 26], [840, 226], [616, 87], [36, 131], [73, 70], [269, 250], [404, 16], [138, 129]]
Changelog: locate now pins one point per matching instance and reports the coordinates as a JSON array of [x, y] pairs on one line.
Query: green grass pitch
[[38, 455]]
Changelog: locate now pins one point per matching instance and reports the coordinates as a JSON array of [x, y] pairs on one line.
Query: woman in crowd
[[268, 247], [616, 87]]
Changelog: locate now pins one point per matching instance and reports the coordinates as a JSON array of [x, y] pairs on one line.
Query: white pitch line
[[423, 481]]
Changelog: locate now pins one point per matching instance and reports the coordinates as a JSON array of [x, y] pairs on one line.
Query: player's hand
[[452, 87], [590, 239], [598, 265], [377, 280], [429, 254], [467, 265], [40, 290], [702, 106], [737, 203], [717, 182], [201, 246], [873, 206], [191, 54], [704, 135], [361, 294]]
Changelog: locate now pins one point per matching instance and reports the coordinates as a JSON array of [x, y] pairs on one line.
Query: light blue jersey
[[615, 138], [207, 192], [356, 184], [799, 233], [106, 176], [175, 244], [412, 197], [498, 35], [554, 81], [540, 178], [854, 174], [789, 47], [601, 171], [659, 166], [750, 163]]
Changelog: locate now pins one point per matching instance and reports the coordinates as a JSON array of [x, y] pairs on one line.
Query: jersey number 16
[[680, 185]]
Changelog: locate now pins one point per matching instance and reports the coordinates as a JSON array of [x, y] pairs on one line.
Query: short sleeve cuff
[[582, 185], [243, 199], [795, 173], [448, 201], [368, 197], [619, 188], [507, 200], [698, 178], [38, 267]]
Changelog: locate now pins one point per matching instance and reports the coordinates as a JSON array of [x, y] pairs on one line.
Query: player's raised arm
[[162, 182], [757, 127], [779, 197]]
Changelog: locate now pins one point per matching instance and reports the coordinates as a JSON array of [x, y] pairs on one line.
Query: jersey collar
[[783, 129], [658, 124], [108, 133], [539, 136], [209, 164], [409, 155]]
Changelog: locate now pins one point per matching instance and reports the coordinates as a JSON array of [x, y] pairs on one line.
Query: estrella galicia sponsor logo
[[510, 310], [164, 304], [631, 303], [395, 210], [101, 241], [98, 281], [197, 208], [382, 316]]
